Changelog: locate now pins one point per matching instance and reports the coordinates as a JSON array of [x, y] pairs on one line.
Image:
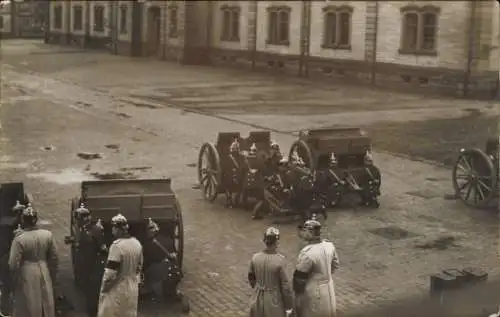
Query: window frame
[[228, 32], [274, 32], [74, 24], [99, 27], [2, 21], [173, 21], [333, 41], [123, 26], [58, 17], [420, 12]]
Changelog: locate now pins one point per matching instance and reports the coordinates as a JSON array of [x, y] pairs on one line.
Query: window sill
[[283, 43], [336, 47], [417, 52], [98, 31], [173, 36], [230, 40]]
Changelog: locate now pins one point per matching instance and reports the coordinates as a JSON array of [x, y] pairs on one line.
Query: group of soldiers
[[311, 293], [29, 266]]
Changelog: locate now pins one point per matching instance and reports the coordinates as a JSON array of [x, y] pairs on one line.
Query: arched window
[[279, 25]]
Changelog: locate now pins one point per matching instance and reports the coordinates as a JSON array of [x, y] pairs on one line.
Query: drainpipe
[[303, 22], [470, 53], [255, 3], [208, 44], [374, 49], [308, 37]]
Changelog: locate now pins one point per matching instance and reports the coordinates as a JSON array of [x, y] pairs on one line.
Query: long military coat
[[122, 298], [320, 260], [272, 292], [33, 262]]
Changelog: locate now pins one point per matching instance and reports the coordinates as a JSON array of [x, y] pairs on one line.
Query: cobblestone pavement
[[60, 101]]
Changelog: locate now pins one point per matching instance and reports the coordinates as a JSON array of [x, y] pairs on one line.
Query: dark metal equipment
[[475, 175], [143, 202], [233, 165], [341, 162]]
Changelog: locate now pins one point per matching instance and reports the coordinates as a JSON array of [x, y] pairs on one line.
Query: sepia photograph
[[321, 158]]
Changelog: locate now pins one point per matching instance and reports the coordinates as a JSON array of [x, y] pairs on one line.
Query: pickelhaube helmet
[[18, 208], [82, 211], [275, 146], [29, 214], [312, 224], [272, 234], [153, 227], [235, 146], [253, 149], [119, 221]]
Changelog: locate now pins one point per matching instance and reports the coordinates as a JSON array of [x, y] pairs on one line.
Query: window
[[230, 24], [1, 22], [58, 17], [77, 18], [173, 21], [337, 27], [123, 19], [278, 26], [419, 30], [99, 18]]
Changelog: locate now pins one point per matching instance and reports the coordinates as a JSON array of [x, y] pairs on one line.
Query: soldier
[[33, 263], [120, 283], [235, 178], [159, 264], [312, 279], [90, 258], [8, 229], [267, 276]]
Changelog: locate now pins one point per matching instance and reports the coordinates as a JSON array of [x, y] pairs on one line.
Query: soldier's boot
[[257, 210]]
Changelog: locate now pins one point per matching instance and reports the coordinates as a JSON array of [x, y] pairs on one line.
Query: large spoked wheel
[[75, 203], [179, 235], [209, 171], [474, 178], [301, 155]]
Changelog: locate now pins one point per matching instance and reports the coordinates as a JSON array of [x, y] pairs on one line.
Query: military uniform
[[91, 258]]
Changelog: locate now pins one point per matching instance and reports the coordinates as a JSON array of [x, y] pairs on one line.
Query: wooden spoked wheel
[[301, 155], [209, 171], [179, 235], [474, 178]]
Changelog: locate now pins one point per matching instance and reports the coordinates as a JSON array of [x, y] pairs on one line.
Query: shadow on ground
[[474, 301], [437, 140]]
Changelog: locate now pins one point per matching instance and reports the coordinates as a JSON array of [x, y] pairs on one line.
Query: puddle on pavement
[[441, 243], [64, 177]]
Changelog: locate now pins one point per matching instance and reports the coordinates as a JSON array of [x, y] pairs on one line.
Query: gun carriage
[[341, 161], [142, 202], [233, 165], [476, 175]]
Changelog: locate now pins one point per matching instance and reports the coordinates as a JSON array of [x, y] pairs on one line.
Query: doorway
[[153, 22]]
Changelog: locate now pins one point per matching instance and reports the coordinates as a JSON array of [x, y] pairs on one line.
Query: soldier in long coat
[[90, 258], [273, 295], [8, 225], [33, 263], [313, 276], [120, 283]]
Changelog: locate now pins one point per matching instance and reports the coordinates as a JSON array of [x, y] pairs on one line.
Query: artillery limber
[[341, 161], [476, 175], [233, 166], [143, 202]]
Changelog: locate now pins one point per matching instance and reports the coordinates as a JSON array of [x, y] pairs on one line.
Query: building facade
[[23, 19], [450, 45]]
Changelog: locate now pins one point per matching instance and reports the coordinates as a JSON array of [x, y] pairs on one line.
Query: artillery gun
[[142, 202], [341, 161]]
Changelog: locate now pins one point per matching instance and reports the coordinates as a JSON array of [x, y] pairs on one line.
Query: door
[[154, 15]]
